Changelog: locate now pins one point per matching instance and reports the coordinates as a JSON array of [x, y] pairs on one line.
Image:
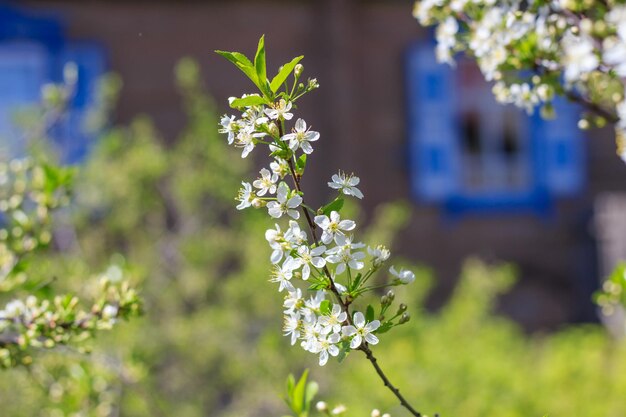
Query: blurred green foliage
[[210, 342]]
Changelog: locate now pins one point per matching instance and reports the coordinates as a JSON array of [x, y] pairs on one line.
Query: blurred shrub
[[464, 361], [210, 342]]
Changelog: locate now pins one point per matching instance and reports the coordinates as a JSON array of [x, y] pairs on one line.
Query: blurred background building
[[482, 179]]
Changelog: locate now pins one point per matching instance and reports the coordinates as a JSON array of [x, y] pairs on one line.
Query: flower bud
[[405, 317], [313, 83], [321, 406], [298, 70], [273, 129], [375, 413], [258, 203], [384, 300], [340, 409], [547, 112], [401, 308], [391, 295], [386, 415]]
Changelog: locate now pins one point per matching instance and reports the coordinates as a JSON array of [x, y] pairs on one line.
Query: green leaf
[[284, 72], [244, 64], [260, 67], [369, 313], [301, 164], [334, 205], [384, 328], [356, 282], [290, 384], [325, 307], [311, 391], [317, 286], [282, 153], [345, 350], [247, 101], [236, 58], [299, 393]]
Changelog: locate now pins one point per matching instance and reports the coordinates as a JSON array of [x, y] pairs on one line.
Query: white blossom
[[379, 255], [361, 331], [246, 196], [579, 58], [291, 326], [333, 227], [343, 256], [404, 275], [229, 126], [246, 139], [280, 167], [332, 323], [284, 204], [280, 110], [283, 274], [301, 137], [266, 183], [326, 345], [346, 184], [307, 257], [293, 301]]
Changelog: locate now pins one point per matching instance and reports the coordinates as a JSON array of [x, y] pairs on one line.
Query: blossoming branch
[[318, 263]]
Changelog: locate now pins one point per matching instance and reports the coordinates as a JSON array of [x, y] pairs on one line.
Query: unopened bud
[[321, 406], [70, 73], [386, 415], [401, 308], [298, 70], [313, 83], [301, 86], [340, 409], [258, 203], [600, 121], [583, 124], [384, 300], [547, 112], [375, 413], [390, 295], [273, 129], [405, 317]]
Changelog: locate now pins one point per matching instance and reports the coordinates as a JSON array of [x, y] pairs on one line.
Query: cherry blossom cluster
[[316, 261], [534, 50], [43, 323]]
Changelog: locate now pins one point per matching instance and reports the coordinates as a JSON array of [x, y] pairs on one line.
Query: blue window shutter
[[74, 137], [433, 133], [563, 150], [24, 68]]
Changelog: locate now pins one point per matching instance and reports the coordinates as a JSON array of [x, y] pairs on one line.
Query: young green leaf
[[247, 101], [385, 327], [369, 313], [236, 58], [344, 351], [299, 392], [244, 64], [334, 205], [311, 391], [325, 307], [301, 164], [260, 67], [284, 72]]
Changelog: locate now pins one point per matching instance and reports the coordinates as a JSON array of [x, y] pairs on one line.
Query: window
[[472, 154], [33, 51]]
